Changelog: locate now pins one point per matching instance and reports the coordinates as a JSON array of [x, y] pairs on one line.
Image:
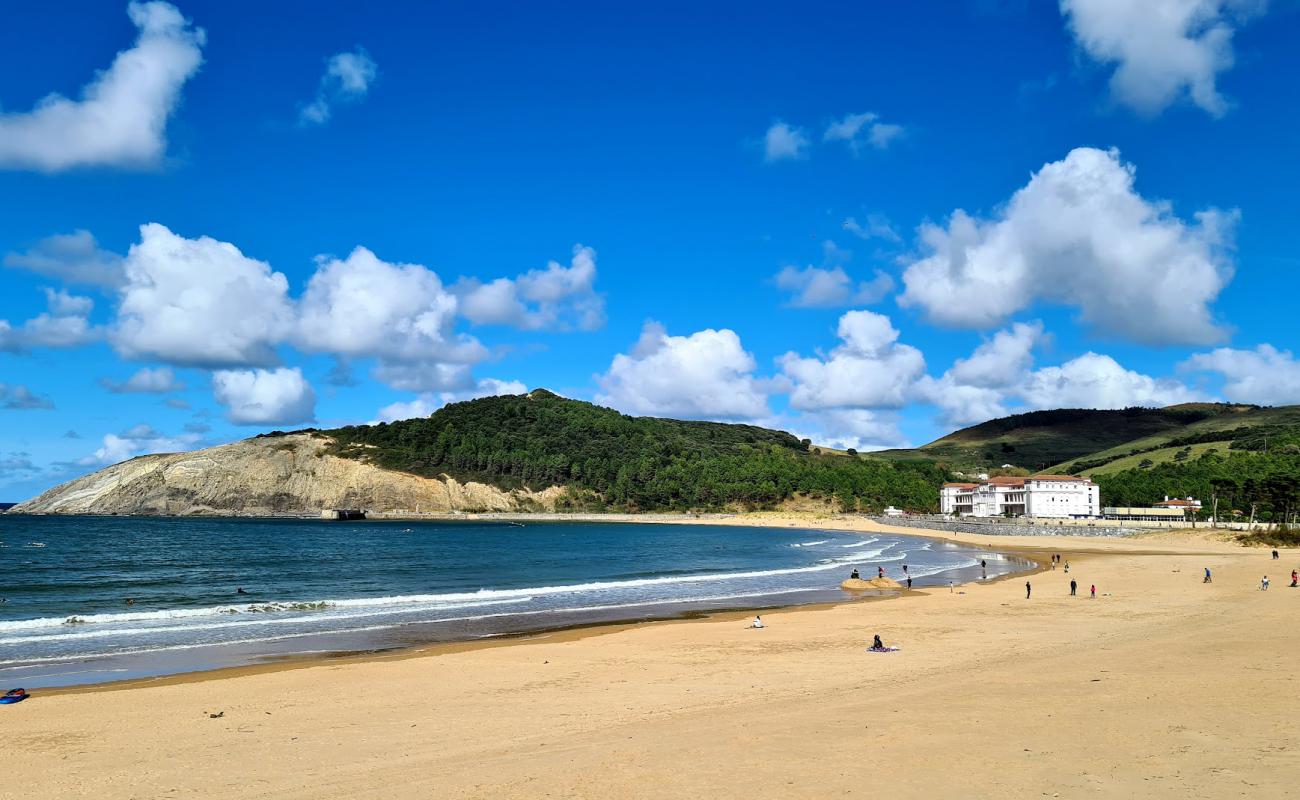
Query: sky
[[866, 223]]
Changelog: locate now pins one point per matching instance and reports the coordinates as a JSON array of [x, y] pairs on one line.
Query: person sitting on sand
[[854, 574], [876, 644], [757, 623]]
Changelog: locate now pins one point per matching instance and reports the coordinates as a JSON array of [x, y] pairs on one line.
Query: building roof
[[1006, 480], [1056, 478], [961, 485]]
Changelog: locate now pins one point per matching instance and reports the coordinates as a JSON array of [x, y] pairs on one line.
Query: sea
[[98, 599]]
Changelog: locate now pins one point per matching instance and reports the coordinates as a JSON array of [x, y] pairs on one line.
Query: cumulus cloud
[[1098, 381], [1163, 50], [861, 131], [1078, 234], [707, 374], [1263, 376], [347, 79], [998, 378], [72, 258], [136, 441], [401, 314], [868, 369], [265, 397], [555, 297], [16, 397], [814, 287], [429, 402], [121, 117], [783, 142], [846, 428], [148, 380], [65, 324], [199, 302]]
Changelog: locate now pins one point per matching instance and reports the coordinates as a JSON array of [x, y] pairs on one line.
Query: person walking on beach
[[1067, 568], [1028, 590], [880, 572], [1208, 579], [1295, 578], [1263, 585], [909, 581], [1074, 587], [1094, 591], [1275, 556]]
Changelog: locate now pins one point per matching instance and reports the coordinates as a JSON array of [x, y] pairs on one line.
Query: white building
[[1054, 496]]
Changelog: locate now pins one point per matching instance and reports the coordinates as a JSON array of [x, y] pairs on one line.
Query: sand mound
[[858, 584]]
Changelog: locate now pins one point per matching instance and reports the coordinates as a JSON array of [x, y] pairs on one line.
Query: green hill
[[611, 460], [1045, 441]]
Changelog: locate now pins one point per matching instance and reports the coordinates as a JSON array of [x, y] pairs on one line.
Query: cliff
[[291, 474]]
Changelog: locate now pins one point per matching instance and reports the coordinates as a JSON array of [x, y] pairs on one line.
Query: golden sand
[[1160, 687]]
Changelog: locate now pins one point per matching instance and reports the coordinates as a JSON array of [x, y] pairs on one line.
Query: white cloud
[[843, 429], [813, 287], [16, 397], [1001, 360], [875, 226], [121, 118], [265, 397], [139, 440], [427, 403], [869, 368], [783, 142], [554, 297], [1163, 50], [400, 313], [73, 258], [147, 380], [66, 324], [199, 302], [1263, 376], [862, 130], [1098, 381], [705, 375], [998, 379], [347, 79], [1078, 234]]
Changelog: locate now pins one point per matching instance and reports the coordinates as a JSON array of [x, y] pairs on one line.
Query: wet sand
[[1162, 686]]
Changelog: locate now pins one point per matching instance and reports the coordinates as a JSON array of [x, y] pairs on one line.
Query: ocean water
[[316, 586]]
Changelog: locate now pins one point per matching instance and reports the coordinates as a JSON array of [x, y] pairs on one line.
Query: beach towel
[[890, 649]]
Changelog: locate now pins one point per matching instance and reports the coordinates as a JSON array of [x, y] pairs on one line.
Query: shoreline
[[1032, 563]]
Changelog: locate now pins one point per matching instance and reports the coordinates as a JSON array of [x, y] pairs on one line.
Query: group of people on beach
[[1056, 561]]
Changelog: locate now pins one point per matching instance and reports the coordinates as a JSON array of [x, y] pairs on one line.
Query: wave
[[810, 544], [482, 595]]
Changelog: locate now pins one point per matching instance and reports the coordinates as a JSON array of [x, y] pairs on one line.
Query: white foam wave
[[810, 544]]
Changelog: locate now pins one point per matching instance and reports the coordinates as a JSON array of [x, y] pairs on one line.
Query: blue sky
[[866, 223]]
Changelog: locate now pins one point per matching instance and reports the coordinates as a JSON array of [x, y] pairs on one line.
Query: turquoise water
[[313, 586]]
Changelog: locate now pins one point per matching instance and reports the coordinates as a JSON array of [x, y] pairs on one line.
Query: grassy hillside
[[1050, 440], [612, 460], [1243, 429]]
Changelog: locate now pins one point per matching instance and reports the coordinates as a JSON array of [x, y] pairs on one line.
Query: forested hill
[[610, 460]]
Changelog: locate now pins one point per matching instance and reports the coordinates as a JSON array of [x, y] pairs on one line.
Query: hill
[[527, 452], [608, 459], [1046, 440]]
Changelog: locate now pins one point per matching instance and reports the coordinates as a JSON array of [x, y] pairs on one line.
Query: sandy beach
[[1160, 687]]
